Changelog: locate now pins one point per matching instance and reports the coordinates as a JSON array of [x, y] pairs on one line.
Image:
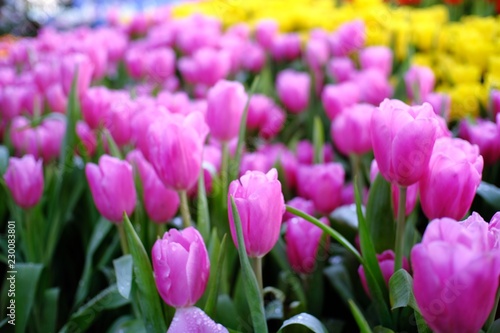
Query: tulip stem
[[186, 217], [123, 238], [400, 229], [257, 269], [224, 171]]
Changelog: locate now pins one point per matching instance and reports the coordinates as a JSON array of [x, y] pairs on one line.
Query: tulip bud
[[337, 97], [377, 57], [258, 109], [355, 119], [265, 32], [286, 47], [87, 137], [341, 69], [374, 87], [24, 178], [260, 205], [485, 135], [112, 186], [419, 82], [460, 293], [449, 183], [302, 244], [402, 139], [181, 267], [72, 63], [226, 100], [56, 99], [307, 206], [293, 90]]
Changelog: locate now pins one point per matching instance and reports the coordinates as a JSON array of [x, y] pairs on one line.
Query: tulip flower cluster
[[196, 174]]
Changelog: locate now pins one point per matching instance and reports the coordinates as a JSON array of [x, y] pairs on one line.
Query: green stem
[[27, 237], [123, 238], [160, 230], [356, 167], [400, 228], [257, 269], [224, 173], [491, 317], [186, 217]]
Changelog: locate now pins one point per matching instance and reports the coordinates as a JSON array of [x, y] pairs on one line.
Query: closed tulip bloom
[[337, 97], [402, 139], [69, 66], [176, 149], [24, 178], [273, 123], [112, 186], [181, 267], [254, 59], [441, 103], [485, 135], [95, 104], [455, 277], [160, 203], [293, 89], [356, 119], [449, 184], [348, 38], [307, 206], [56, 99], [266, 31], [302, 244], [374, 87], [286, 47], [193, 319], [159, 64], [260, 205], [322, 184], [377, 57], [87, 137], [256, 161], [51, 134], [305, 152], [24, 138], [225, 105], [11, 99], [386, 262], [341, 69], [419, 82], [258, 109], [316, 53]]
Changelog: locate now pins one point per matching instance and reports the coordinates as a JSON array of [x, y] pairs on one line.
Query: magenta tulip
[[402, 139], [159, 64], [70, 65], [87, 138], [302, 244], [495, 102], [337, 97], [193, 319], [441, 103], [485, 135], [273, 123], [56, 99], [176, 149], [266, 31], [181, 267], [307, 206], [260, 205], [419, 82], [255, 161], [377, 57], [374, 87], [341, 69], [286, 47], [160, 203], [24, 178], [348, 38], [455, 277], [355, 119], [258, 109], [322, 183], [293, 89], [449, 184], [112, 186], [226, 100]]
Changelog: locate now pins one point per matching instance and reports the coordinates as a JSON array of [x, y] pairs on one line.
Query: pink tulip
[[341, 69], [87, 137], [256, 161], [337, 97], [11, 98], [485, 135], [348, 38], [322, 183], [302, 244], [160, 203], [174, 102], [112, 186], [419, 82], [117, 118], [355, 119], [159, 64], [449, 184], [176, 149], [258, 109], [193, 319], [386, 261], [377, 57], [181, 267], [24, 179], [72, 63], [254, 59], [260, 205], [51, 134], [273, 123], [45, 75], [316, 54], [265, 32], [441, 103], [305, 152], [374, 87], [56, 99], [495, 102], [226, 100], [95, 104], [293, 89], [24, 138], [206, 66], [459, 294], [279, 153], [307, 206], [286, 47], [402, 139]]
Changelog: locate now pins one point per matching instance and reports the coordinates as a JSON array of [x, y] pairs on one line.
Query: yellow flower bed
[[465, 55]]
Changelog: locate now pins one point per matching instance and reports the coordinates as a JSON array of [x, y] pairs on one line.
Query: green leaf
[[381, 329], [421, 324], [203, 214], [4, 159], [363, 325], [318, 140], [371, 266], [107, 299], [123, 271], [495, 327], [339, 278], [331, 232], [226, 313], [379, 216], [26, 281], [401, 290], [113, 147], [252, 291], [127, 324], [49, 310], [235, 167], [217, 257], [100, 231], [305, 319], [149, 300], [490, 193]]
